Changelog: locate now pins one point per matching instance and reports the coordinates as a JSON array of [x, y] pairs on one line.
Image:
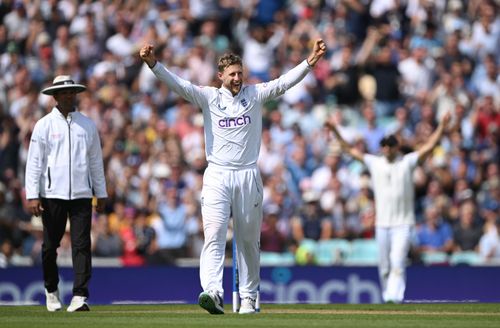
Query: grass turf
[[297, 315]]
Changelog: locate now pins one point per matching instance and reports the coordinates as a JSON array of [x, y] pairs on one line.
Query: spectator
[[271, 238], [298, 165], [144, 233], [453, 19], [10, 63], [490, 85], [61, 46], [361, 211], [485, 33], [435, 234], [170, 228], [489, 244], [258, 43], [131, 255], [121, 43], [416, 75], [332, 166], [311, 222], [385, 71], [428, 39], [211, 38], [343, 79], [276, 193], [106, 241], [487, 116], [371, 131], [466, 232], [17, 23]]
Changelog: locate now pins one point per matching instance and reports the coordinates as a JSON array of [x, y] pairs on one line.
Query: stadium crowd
[[392, 67]]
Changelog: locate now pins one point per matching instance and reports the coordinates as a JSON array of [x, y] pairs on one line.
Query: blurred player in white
[[232, 185], [392, 177]]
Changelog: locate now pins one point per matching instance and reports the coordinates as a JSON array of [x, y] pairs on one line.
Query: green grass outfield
[[297, 315]]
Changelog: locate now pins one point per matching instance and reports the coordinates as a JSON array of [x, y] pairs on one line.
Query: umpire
[[64, 171]]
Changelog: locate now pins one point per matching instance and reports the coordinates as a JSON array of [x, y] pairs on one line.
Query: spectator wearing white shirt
[[121, 44], [489, 244], [485, 34], [258, 45], [416, 76]]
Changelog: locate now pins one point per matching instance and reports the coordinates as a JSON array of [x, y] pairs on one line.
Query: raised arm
[[426, 149], [147, 55], [192, 93], [352, 151], [279, 86]]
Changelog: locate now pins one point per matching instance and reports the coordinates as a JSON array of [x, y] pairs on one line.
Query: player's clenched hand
[[147, 54], [319, 49]]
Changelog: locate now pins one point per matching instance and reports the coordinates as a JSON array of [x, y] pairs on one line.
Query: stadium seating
[[276, 259], [434, 258], [466, 258], [332, 251], [363, 252]]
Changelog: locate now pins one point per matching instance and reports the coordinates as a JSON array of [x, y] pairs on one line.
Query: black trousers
[[55, 215]]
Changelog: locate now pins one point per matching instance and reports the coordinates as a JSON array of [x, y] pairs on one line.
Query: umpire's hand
[[35, 207], [99, 207]]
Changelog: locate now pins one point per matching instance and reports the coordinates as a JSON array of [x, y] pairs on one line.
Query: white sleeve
[[97, 167], [34, 163], [370, 161], [192, 93], [241, 31], [275, 39], [279, 86], [412, 159]]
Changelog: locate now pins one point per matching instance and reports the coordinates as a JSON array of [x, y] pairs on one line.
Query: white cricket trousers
[[393, 243], [238, 194]]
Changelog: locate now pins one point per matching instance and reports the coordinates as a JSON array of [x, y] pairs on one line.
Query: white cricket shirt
[[394, 189], [232, 124]]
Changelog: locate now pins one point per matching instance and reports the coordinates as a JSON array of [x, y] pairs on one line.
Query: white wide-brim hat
[[63, 82]]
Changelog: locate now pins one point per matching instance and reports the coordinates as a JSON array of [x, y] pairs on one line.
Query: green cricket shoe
[[211, 302]]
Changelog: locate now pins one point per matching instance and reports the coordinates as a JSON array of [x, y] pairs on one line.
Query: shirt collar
[[225, 91], [58, 113]]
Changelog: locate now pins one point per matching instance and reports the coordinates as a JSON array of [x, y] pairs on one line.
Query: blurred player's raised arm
[[279, 86], [426, 149], [184, 88], [352, 151]]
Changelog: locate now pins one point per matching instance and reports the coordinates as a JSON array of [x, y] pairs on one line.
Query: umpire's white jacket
[[65, 158]]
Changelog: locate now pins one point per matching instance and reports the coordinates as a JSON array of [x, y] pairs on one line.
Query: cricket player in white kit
[[232, 185], [392, 177]]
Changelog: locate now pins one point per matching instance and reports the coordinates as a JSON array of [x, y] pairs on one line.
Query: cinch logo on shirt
[[232, 122]]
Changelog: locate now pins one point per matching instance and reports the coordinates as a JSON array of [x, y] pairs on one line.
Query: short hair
[[390, 141], [227, 60]]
